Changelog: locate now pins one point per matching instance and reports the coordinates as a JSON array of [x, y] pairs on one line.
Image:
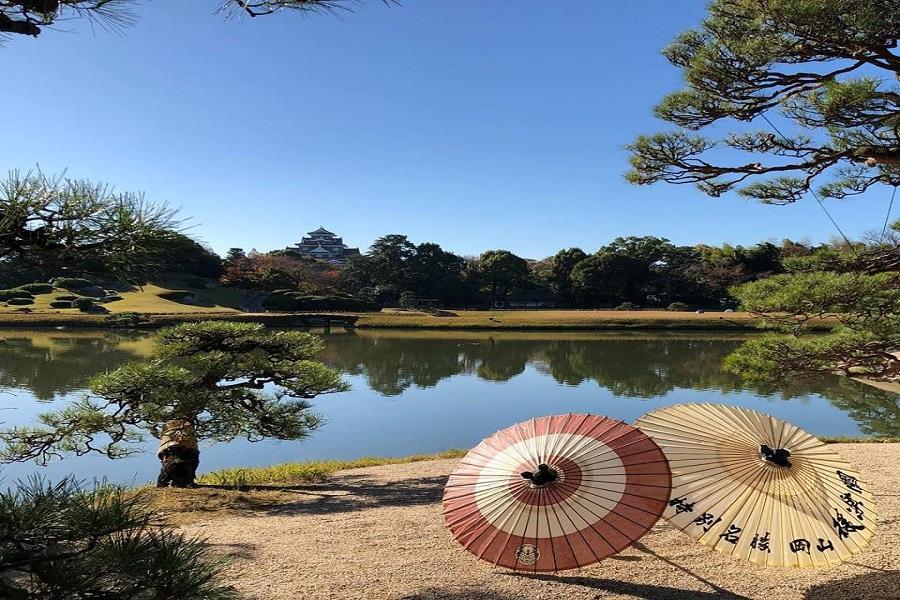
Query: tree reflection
[[52, 363], [633, 366]]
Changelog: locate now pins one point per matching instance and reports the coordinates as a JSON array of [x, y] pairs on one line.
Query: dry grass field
[[558, 320]]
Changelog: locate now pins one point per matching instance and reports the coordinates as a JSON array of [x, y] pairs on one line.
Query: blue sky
[[474, 124]]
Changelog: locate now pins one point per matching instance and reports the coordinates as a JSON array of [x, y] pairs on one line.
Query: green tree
[[818, 63], [212, 380], [435, 273], [821, 65], [29, 17], [408, 300], [502, 272], [867, 341], [184, 256], [559, 274], [63, 541], [55, 225], [608, 279]]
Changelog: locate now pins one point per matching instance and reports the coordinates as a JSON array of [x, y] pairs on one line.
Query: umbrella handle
[[543, 476]]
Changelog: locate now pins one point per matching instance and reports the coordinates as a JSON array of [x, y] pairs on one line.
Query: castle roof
[[320, 231]]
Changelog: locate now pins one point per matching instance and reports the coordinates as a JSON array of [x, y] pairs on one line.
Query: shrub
[[37, 288], [61, 304], [10, 294], [126, 319], [64, 540], [69, 297], [95, 291], [678, 306], [627, 306], [408, 300], [83, 304], [72, 283], [298, 301], [19, 301], [111, 298]]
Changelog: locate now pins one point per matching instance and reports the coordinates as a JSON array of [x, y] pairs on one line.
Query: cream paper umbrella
[[758, 488]]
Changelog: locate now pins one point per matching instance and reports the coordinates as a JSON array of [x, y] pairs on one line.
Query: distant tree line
[[641, 272]]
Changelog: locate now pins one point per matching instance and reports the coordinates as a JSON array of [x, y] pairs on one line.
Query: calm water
[[430, 391]]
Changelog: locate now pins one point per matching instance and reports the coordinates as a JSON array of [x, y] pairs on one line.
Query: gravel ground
[[378, 533]]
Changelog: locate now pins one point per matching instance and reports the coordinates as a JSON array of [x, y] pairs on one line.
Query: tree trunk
[[178, 454]]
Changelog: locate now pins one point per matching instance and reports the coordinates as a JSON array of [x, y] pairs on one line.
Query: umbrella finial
[[542, 476], [779, 456]]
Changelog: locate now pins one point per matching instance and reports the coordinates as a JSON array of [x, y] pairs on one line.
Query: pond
[[417, 392]]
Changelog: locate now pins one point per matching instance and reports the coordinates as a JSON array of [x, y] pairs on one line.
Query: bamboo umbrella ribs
[[557, 492], [758, 488]]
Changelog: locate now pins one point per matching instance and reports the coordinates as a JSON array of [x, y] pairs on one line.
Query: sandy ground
[[378, 533]]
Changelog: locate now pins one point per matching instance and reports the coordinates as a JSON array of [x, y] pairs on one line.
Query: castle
[[322, 244]]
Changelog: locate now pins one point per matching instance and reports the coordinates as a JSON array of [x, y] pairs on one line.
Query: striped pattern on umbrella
[[557, 492], [759, 488]]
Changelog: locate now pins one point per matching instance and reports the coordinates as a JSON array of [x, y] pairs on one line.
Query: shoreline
[[550, 320], [378, 533]]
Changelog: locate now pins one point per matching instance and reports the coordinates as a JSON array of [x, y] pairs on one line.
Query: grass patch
[[842, 439], [308, 472], [563, 320], [151, 299]]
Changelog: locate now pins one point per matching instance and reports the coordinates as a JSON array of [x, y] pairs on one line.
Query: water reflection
[[637, 365], [51, 363]]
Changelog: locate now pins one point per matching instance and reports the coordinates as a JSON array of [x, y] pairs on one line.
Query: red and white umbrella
[[557, 492]]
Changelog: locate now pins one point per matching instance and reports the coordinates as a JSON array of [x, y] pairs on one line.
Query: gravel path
[[378, 533]]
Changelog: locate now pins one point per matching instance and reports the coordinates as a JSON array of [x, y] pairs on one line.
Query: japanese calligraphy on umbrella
[[557, 492], [758, 488]]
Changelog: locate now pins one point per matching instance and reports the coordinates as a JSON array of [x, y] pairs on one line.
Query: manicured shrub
[[628, 306], [181, 296], [61, 304], [10, 294], [72, 283], [37, 288], [112, 298], [19, 301], [678, 306], [94, 291], [83, 304], [68, 297], [126, 319]]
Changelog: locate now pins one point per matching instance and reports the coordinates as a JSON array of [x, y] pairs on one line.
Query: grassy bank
[[310, 471], [171, 303], [562, 320], [462, 320]]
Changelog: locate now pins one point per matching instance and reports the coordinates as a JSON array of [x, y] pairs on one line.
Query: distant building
[[324, 245]]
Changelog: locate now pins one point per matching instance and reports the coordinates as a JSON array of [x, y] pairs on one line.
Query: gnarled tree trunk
[[178, 454]]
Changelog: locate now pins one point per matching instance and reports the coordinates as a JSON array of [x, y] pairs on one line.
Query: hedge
[[69, 297], [83, 304], [297, 301], [37, 288], [61, 304], [19, 301], [10, 294], [72, 283], [678, 306], [627, 306]]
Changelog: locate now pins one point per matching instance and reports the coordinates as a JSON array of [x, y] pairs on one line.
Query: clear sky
[[474, 124]]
